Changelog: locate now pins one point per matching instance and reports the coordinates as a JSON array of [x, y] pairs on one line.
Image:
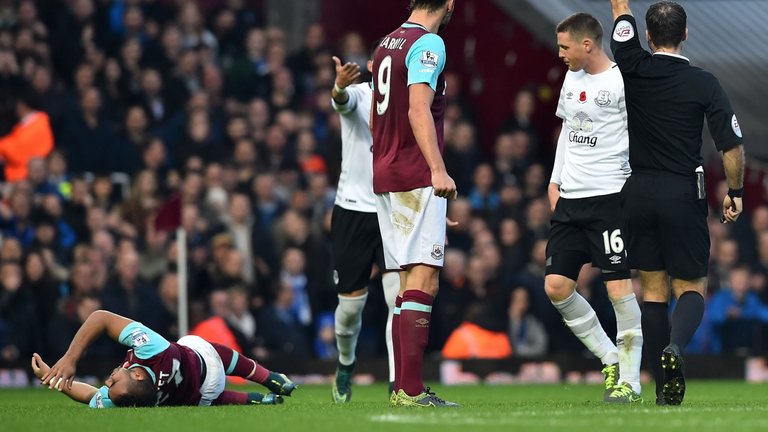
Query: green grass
[[709, 406]]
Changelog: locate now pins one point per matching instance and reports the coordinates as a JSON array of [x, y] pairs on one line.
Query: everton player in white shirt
[[591, 165], [355, 236]]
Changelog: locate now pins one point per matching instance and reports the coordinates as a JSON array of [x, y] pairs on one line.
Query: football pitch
[[709, 406]]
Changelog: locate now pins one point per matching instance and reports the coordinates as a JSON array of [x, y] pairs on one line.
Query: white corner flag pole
[[181, 265]]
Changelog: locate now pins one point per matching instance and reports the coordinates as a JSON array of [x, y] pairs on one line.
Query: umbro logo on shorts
[[422, 322], [616, 259]]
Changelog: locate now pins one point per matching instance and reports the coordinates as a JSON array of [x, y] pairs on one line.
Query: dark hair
[[429, 5], [141, 393], [666, 21], [582, 25]]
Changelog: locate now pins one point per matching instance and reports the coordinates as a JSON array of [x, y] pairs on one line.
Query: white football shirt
[[592, 157], [355, 190]]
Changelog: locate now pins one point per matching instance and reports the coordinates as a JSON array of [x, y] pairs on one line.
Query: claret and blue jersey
[[175, 369], [409, 55]]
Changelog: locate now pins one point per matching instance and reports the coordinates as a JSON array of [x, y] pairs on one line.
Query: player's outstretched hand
[[346, 74], [39, 367], [732, 208], [63, 372], [444, 185]]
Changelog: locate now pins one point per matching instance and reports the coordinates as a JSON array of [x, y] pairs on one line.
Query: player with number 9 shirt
[[411, 182]]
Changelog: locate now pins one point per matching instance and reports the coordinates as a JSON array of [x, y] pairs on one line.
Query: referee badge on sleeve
[[735, 126], [624, 31]]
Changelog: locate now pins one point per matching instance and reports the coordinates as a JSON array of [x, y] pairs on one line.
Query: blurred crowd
[[162, 113]]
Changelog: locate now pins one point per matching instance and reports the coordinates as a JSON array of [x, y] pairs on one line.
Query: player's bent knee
[[558, 287]]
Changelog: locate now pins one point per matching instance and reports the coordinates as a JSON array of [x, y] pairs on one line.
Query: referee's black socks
[[686, 318], [655, 322]]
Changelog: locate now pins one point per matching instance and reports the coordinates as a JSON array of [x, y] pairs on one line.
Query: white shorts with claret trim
[[215, 376], [412, 227]]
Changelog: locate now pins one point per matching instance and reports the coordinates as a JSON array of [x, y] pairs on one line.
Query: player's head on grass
[[435, 7], [131, 388], [578, 37], [666, 23]]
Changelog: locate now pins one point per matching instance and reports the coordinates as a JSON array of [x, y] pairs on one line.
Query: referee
[[664, 199]]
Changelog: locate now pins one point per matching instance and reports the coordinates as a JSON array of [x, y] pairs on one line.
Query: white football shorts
[[216, 376], [412, 225]]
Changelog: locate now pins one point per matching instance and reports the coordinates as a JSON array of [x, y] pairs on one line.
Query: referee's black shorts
[[356, 246], [666, 225], [592, 227]]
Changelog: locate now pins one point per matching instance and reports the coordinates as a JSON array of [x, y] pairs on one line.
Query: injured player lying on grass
[[157, 372]]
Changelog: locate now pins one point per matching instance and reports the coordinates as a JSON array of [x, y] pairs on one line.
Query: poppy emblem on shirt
[[583, 97]]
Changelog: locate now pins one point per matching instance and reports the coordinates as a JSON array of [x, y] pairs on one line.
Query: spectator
[[88, 137], [736, 314], [64, 325], [281, 330], [126, 295], [19, 327], [30, 138], [474, 340], [483, 196], [526, 333]]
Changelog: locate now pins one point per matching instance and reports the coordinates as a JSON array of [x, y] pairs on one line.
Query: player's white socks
[[391, 284], [583, 322], [349, 319], [629, 339]]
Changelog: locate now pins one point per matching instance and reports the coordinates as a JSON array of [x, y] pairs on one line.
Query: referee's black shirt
[[667, 100]]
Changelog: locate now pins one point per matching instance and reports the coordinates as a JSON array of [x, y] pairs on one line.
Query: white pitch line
[[511, 417]]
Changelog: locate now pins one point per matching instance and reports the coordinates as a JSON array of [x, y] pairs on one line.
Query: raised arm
[[79, 391], [733, 163], [620, 7], [345, 75], [97, 324]]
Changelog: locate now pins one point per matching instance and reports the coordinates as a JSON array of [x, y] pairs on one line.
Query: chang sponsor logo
[[581, 125], [574, 137]]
